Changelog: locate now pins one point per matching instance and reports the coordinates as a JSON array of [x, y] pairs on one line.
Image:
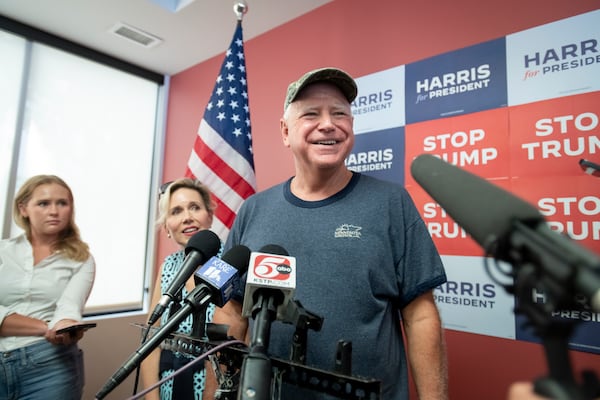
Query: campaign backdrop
[[520, 111]]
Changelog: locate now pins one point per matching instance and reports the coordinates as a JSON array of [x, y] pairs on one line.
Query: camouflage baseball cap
[[332, 75]]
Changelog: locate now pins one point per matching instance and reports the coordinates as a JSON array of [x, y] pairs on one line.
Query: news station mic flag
[[222, 156]]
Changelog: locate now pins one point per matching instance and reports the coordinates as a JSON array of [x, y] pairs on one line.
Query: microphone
[[271, 269], [222, 274], [218, 279], [202, 246], [589, 167], [270, 284], [510, 229]]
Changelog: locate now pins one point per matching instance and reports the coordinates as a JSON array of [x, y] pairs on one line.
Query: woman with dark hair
[[47, 275]]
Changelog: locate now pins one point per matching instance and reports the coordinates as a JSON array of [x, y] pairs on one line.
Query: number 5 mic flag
[[222, 156]]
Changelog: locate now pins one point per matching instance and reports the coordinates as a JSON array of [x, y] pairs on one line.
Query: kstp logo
[[272, 267]]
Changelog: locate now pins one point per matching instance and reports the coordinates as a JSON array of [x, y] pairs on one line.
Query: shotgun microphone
[[510, 229]]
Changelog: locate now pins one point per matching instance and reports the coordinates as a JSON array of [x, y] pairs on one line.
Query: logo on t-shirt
[[348, 230]]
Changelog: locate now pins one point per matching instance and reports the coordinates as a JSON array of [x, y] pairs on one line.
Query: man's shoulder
[[380, 184]]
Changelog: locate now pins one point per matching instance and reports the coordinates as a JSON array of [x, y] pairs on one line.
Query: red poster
[[448, 236], [476, 142], [571, 205], [548, 138]]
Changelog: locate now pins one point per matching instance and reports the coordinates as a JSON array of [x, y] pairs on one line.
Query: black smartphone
[[73, 328]]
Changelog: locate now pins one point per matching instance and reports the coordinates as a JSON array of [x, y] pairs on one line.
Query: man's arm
[[231, 314], [426, 347]]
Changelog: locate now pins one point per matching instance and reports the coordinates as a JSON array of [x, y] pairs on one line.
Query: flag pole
[[240, 8]]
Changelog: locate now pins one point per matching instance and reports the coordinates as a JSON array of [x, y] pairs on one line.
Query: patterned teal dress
[[191, 383]]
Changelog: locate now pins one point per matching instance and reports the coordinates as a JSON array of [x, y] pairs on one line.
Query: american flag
[[222, 155]]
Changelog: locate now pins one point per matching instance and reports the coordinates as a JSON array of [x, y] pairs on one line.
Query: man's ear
[[283, 128]]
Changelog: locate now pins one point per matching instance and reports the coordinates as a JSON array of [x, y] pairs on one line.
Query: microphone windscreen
[[274, 249], [206, 242], [487, 212], [239, 257]]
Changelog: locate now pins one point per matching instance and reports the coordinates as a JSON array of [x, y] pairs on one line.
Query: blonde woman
[[185, 208], [47, 275]]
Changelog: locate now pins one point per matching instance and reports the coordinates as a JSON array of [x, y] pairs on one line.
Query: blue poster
[[379, 154], [455, 83]]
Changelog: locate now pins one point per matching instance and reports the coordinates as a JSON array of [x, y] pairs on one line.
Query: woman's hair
[[69, 241], [169, 188]]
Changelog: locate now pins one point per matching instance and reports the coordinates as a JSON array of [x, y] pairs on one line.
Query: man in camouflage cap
[[332, 75], [365, 260]]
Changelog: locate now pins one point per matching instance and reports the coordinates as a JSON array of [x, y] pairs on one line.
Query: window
[[95, 126]]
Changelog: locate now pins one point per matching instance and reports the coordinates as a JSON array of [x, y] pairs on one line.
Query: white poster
[[380, 101], [471, 301], [554, 60]]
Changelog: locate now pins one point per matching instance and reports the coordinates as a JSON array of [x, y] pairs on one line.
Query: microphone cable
[[185, 367]]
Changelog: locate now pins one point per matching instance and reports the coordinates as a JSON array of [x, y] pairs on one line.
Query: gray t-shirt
[[362, 255]]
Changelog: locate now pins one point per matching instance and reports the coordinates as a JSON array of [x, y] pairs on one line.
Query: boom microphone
[[509, 228], [218, 279], [202, 246]]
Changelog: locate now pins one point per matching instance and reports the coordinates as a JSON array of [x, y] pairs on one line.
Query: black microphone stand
[[551, 271], [303, 320], [560, 384], [146, 330], [194, 301], [255, 382]]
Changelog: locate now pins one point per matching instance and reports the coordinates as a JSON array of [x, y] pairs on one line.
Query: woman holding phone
[[47, 275]]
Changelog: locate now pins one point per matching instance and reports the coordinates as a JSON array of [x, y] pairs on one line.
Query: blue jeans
[[42, 371]]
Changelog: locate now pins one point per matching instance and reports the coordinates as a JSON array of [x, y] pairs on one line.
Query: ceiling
[[199, 30]]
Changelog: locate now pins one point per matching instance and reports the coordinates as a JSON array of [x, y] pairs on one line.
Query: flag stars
[[237, 132], [219, 91], [232, 90], [231, 77], [220, 103], [229, 65], [221, 116], [235, 118], [240, 55], [233, 104]]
